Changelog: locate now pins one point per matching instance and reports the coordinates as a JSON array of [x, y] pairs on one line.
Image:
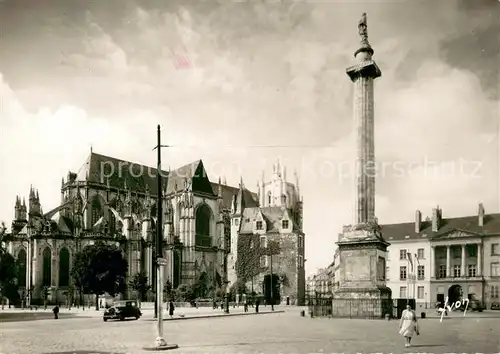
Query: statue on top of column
[[363, 28]]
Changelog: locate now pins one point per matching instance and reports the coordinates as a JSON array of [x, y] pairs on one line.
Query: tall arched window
[[112, 223], [64, 267], [177, 268], [21, 263], [269, 198], [96, 211], [203, 218], [47, 267]]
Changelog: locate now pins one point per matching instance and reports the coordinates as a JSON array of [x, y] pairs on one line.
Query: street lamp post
[[160, 262]]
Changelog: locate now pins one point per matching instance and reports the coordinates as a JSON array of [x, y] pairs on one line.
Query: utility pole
[[159, 261], [159, 222]]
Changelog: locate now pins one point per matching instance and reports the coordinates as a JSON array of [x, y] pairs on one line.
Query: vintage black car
[[495, 306], [122, 310]]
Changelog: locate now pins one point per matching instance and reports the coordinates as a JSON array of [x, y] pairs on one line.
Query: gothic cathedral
[[115, 201]]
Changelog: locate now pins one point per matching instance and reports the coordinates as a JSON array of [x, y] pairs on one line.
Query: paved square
[[270, 333]]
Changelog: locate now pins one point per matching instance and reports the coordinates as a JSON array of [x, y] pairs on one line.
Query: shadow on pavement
[[83, 352], [426, 345], [33, 316]]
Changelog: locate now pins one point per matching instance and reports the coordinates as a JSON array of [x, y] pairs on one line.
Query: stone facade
[[115, 201], [450, 257], [276, 217]]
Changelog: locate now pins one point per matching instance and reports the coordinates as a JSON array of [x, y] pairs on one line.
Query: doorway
[[455, 293]]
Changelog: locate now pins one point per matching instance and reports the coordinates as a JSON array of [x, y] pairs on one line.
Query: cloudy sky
[[265, 80]]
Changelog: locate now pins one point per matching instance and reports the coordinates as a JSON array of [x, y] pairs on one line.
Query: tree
[[99, 269], [8, 271], [45, 296], [239, 287], [139, 283], [168, 291], [249, 254], [185, 292]]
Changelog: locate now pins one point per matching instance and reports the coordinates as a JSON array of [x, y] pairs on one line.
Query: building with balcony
[[440, 257]]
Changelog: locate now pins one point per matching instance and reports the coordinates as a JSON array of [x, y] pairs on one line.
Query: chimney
[[435, 219], [481, 215], [418, 221]]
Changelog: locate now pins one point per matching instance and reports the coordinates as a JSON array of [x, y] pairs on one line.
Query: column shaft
[[365, 150]]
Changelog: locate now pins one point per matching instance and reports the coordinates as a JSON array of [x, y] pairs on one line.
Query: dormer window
[[284, 224], [258, 225]]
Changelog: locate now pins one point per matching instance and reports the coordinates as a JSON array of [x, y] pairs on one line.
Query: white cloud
[[271, 75]]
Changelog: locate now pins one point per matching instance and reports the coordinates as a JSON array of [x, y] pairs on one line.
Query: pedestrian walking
[[55, 310], [171, 309], [408, 325]]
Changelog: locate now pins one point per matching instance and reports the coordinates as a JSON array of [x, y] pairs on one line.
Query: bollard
[[302, 313]]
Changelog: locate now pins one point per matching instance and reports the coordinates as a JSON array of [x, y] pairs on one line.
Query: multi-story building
[[442, 258], [310, 286], [325, 280], [408, 260], [491, 268], [114, 201], [274, 219]]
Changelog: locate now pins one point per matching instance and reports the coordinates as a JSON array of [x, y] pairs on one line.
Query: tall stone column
[[361, 245], [362, 75]]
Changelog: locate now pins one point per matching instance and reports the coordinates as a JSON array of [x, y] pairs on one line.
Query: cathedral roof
[[406, 231], [229, 192], [63, 224], [139, 178]]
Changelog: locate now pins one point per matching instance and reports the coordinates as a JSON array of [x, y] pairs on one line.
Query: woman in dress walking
[[171, 309], [408, 325]]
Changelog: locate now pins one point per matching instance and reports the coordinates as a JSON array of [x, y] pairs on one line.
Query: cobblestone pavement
[[277, 333]]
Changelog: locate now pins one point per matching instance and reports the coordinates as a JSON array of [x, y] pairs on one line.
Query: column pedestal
[[362, 292]]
